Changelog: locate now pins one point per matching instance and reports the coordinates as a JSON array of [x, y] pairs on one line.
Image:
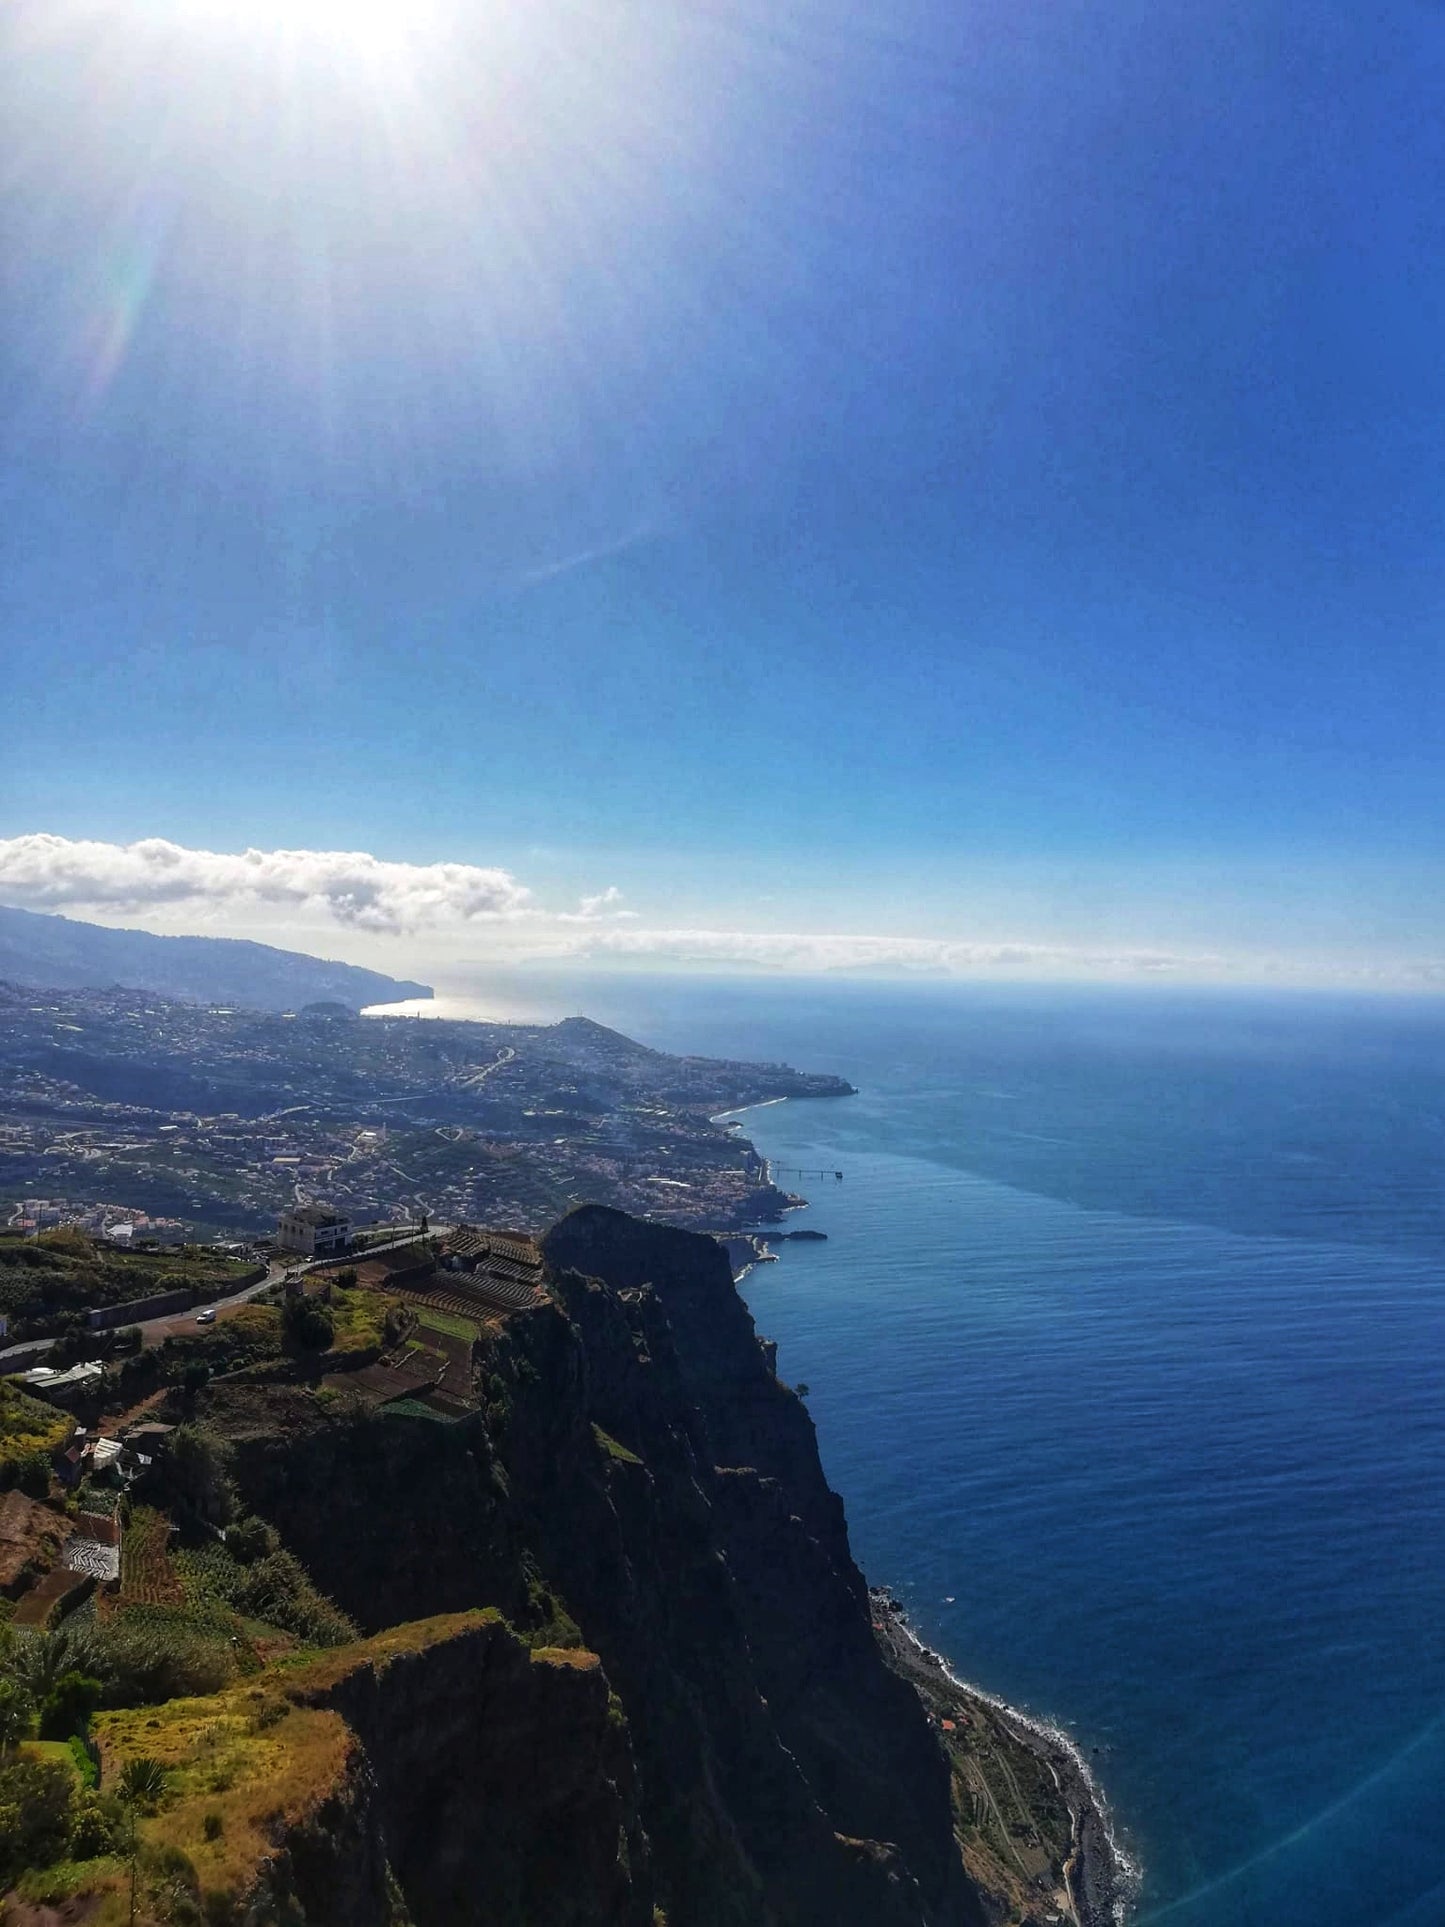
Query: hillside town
[[142, 1118]]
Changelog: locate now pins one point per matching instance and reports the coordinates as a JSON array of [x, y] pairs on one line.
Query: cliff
[[641, 1487], [438, 1772]]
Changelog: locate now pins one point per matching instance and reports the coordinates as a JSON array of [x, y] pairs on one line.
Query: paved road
[[153, 1330]]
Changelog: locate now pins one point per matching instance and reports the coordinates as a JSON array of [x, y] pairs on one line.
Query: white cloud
[[292, 896], [813, 953], [604, 904], [354, 889]]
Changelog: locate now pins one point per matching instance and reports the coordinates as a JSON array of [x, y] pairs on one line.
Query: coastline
[[1098, 1879], [1095, 1881]]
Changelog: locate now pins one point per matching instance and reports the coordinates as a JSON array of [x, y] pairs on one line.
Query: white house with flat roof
[[314, 1230]]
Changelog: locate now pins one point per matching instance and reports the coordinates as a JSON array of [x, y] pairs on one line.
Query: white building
[[313, 1230]]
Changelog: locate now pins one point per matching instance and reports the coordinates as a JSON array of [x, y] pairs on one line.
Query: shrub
[[274, 1586], [81, 1752], [35, 1815], [143, 1783], [32, 1475], [250, 1539], [158, 1653], [98, 1825]]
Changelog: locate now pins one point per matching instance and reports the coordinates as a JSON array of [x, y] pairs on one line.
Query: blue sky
[[968, 477]]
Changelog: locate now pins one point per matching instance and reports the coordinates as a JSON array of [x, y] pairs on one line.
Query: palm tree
[[38, 1662]]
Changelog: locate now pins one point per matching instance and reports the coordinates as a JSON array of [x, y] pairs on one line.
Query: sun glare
[[374, 27]]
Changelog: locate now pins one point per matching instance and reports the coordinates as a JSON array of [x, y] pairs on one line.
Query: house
[[313, 1230]]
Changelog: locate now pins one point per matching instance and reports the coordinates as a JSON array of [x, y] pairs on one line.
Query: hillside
[[59, 953], [213, 1116]]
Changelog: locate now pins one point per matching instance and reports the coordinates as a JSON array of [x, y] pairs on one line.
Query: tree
[[250, 1539], [67, 1707], [307, 1325], [17, 1714], [35, 1814], [199, 1471], [193, 1380], [37, 1662]]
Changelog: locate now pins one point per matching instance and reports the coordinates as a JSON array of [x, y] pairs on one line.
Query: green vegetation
[[613, 1448], [450, 1322], [198, 1474], [29, 1433], [307, 1324], [254, 1574], [48, 1281], [154, 1672], [66, 1709], [363, 1319], [552, 1627]]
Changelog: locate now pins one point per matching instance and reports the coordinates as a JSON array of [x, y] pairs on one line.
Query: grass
[[241, 1767], [51, 1886], [260, 1775], [575, 1658], [359, 1317], [614, 1448], [455, 1326], [413, 1408], [56, 1753]]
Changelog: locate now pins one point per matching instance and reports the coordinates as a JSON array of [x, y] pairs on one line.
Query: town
[[143, 1119]]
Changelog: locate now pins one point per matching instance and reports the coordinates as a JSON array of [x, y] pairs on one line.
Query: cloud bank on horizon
[[449, 904]]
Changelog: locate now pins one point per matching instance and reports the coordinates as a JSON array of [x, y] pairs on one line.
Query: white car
[[206, 1317]]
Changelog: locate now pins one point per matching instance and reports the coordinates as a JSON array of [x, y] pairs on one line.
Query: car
[[206, 1317]]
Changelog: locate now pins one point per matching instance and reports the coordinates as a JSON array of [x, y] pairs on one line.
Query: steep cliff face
[[498, 1782], [641, 1483]]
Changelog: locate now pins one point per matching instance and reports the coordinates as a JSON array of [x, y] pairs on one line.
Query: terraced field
[[147, 1573]]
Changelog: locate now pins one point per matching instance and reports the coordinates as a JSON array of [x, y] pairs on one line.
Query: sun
[[372, 27]]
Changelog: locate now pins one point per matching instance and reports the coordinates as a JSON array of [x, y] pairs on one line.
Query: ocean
[[1125, 1352]]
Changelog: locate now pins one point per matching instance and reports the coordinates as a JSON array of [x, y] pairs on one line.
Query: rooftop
[[315, 1214]]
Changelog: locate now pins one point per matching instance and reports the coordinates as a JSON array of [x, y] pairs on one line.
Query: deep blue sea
[[1125, 1352]]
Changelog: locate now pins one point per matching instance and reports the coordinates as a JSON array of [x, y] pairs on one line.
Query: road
[[153, 1330]]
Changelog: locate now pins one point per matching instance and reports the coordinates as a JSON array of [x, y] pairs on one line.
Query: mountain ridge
[[64, 953]]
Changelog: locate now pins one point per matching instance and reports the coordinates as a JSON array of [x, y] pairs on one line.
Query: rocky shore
[[1050, 1833]]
